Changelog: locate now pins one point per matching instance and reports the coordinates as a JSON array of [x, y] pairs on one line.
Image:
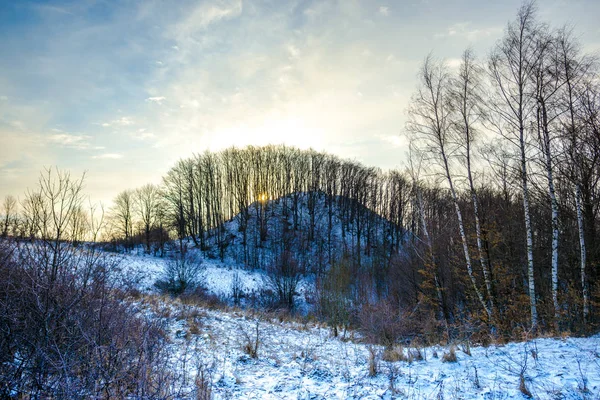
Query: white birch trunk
[[463, 236], [578, 205], [530, 275], [545, 145], [555, 229], [482, 258]]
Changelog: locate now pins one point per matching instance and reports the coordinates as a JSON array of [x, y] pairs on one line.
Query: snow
[[303, 361]]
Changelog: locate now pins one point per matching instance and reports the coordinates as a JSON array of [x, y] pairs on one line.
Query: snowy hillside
[[303, 361], [216, 278], [315, 228]]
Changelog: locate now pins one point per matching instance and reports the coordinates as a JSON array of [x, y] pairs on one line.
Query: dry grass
[[252, 341], [394, 354], [193, 326], [415, 354], [466, 347], [450, 355]]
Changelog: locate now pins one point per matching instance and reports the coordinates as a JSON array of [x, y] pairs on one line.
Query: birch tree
[[548, 82], [577, 96], [512, 72], [468, 104], [431, 121]]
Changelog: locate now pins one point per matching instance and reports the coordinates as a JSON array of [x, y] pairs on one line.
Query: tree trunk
[[582, 252], [530, 275]]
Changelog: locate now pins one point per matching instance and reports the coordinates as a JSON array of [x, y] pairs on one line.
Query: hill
[[315, 228]]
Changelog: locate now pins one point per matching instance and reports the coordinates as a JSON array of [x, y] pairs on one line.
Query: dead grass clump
[[450, 356], [394, 354], [193, 326], [415, 354], [251, 341], [466, 347]]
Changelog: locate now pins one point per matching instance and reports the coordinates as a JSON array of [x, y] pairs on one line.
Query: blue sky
[[123, 89]]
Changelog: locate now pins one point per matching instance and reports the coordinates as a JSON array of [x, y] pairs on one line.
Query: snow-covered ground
[[303, 361], [142, 271]]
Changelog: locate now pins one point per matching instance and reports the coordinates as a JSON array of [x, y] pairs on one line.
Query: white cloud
[[157, 99], [123, 121], [396, 141], [141, 134], [465, 30], [384, 10], [80, 142], [454, 63], [205, 15], [4, 98], [108, 156]]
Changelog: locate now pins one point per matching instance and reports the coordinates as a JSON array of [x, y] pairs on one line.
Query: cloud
[[80, 142], [454, 63], [3, 98], [397, 141], [123, 121], [141, 134], [157, 99], [49, 9], [384, 10], [205, 15], [108, 156], [465, 30]]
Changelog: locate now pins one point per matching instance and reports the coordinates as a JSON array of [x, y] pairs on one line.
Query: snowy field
[[304, 361]]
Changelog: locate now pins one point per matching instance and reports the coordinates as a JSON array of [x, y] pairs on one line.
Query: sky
[[123, 89]]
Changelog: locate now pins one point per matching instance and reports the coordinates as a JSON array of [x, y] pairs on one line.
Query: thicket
[[67, 328]]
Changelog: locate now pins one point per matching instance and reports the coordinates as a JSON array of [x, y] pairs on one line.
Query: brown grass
[[394, 354], [450, 356]]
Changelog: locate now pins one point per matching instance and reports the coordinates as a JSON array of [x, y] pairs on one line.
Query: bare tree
[[9, 208], [431, 122], [147, 199], [284, 277], [469, 105], [122, 214], [580, 126], [512, 71]]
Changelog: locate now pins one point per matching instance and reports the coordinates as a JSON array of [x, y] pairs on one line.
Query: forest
[[489, 231]]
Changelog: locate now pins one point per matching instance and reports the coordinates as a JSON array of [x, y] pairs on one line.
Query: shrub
[[283, 278], [373, 361], [181, 274], [381, 323], [66, 335], [251, 341]]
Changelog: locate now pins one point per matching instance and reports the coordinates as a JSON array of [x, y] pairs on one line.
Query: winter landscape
[[299, 200]]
